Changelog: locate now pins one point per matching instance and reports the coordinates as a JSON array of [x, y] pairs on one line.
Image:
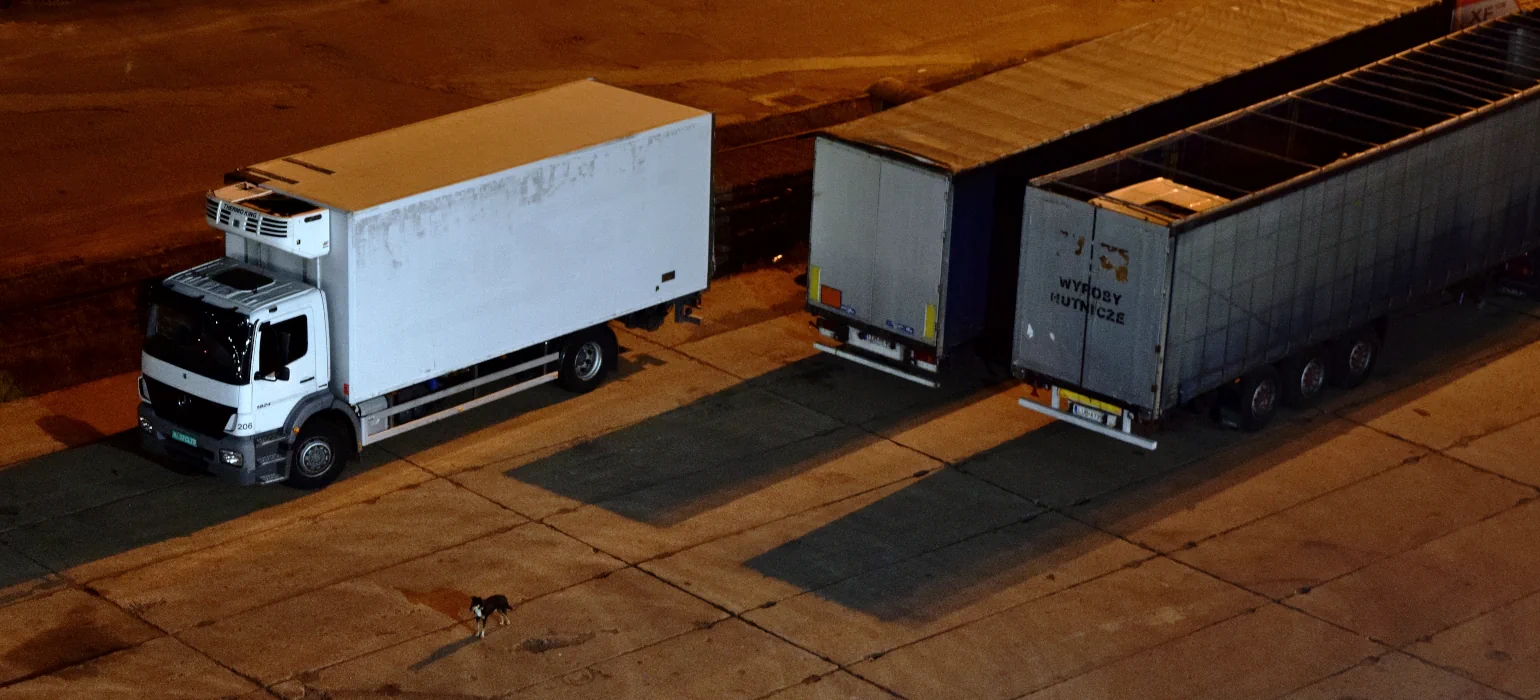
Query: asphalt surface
[[737, 516], [119, 116]]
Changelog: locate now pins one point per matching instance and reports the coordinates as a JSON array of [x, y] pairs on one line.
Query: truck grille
[[197, 414]]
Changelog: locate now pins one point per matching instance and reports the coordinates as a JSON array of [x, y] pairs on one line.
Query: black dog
[[483, 609]]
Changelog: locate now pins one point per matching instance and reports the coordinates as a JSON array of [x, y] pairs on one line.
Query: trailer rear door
[[879, 231], [1091, 304]]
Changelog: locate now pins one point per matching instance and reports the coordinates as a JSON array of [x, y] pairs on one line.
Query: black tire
[[587, 358], [319, 454], [1303, 377], [1256, 397], [1353, 357]]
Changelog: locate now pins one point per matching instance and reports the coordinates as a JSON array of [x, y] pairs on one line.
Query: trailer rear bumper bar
[[858, 359], [1093, 426]]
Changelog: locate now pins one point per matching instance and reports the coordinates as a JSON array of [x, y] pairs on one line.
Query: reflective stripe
[[1088, 401], [812, 283], [930, 321]]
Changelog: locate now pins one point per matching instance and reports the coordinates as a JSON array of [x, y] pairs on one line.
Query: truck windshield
[[199, 337]]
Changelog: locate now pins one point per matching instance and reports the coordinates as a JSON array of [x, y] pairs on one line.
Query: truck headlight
[[231, 458], [144, 390], [145, 425]]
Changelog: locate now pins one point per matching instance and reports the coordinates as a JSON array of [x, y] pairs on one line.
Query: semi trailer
[[916, 213], [1256, 257], [374, 286]]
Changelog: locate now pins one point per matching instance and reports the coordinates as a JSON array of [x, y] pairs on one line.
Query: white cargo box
[[465, 237]]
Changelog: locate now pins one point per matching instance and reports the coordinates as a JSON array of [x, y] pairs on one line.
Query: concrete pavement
[[737, 516]]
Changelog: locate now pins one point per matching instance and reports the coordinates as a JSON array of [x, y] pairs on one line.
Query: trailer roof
[[1019, 108], [383, 167], [1263, 148]]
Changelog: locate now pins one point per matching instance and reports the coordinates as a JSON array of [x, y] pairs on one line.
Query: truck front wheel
[[318, 455], [586, 358]]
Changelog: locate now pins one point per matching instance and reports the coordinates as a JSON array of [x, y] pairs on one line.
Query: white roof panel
[[379, 168]]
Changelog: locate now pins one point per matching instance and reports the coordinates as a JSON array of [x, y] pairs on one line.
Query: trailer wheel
[[318, 455], [1303, 377], [1353, 356], [1256, 398], [586, 359]]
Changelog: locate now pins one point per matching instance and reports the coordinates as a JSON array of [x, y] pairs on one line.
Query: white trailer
[[383, 283]]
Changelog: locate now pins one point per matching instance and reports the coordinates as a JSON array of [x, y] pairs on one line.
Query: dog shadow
[[444, 652]]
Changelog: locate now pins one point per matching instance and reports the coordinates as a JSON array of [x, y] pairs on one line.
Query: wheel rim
[[588, 360], [1359, 357], [315, 458], [1312, 377], [1262, 399]]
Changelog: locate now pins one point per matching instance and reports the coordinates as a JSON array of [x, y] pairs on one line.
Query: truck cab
[[234, 348]]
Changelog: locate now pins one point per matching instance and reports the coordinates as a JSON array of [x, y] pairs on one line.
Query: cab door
[[285, 367]]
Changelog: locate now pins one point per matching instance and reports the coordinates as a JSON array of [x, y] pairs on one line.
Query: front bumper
[[258, 463]]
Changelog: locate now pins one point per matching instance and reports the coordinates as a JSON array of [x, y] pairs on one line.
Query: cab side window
[[282, 343]]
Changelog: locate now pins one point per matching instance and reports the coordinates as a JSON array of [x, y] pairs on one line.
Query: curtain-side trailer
[[916, 210], [1258, 255]]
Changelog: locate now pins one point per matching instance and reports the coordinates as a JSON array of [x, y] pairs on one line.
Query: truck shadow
[[903, 558], [89, 503], [682, 463]]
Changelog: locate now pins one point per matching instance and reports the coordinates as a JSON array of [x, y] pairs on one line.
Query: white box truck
[[383, 283]]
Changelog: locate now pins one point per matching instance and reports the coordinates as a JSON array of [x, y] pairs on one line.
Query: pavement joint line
[[332, 582], [458, 622], [739, 616], [1457, 460], [238, 538], [94, 593], [1456, 671], [1465, 440], [1386, 470], [825, 676], [93, 506]]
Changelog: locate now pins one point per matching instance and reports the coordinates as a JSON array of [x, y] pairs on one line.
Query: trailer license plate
[[1088, 413], [182, 437]]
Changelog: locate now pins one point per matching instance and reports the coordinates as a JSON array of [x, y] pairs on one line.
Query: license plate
[[1088, 413], [184, 438]]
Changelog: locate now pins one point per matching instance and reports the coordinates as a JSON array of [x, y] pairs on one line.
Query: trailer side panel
[[1254, 286]]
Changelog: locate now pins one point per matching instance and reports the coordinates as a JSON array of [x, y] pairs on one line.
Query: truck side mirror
[[281, 374]]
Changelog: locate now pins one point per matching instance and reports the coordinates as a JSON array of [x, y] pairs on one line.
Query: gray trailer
[[1257, 256], [916, 210]]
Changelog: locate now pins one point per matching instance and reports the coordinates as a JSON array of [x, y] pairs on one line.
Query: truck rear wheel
[[586, 359], [1255, 401], [1353, 356], [318, 454], [1303, 377]]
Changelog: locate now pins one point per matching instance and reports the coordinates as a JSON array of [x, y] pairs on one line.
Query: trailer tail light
[[830, 297], [344, 388], [926, 356]]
